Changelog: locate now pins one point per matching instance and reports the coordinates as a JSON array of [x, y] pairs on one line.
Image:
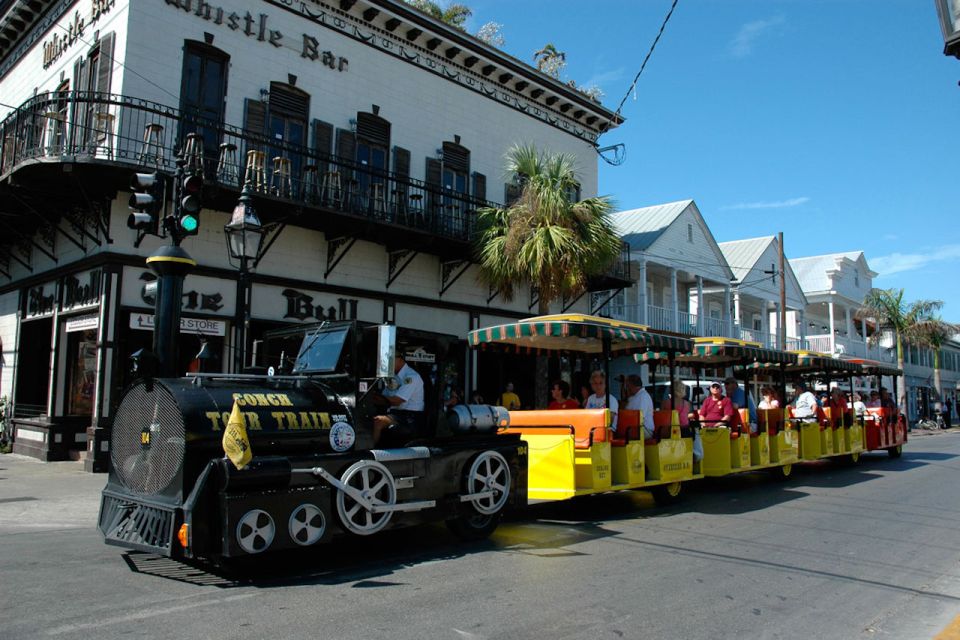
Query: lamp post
[[949, 13], [244, 236]]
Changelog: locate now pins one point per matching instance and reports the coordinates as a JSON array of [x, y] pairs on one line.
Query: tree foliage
[[545, 237], [453, 14]]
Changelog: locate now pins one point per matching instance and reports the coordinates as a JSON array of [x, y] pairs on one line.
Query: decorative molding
[[403, 49]]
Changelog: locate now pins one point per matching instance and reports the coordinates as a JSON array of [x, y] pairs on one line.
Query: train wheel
[[306, 524], [255, 531], [853, 458], [895, 452], [782, 472], [666, 494], [474, 526], [375, 483], [489, 473]]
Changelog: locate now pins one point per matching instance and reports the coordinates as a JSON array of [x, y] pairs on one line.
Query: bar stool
[[193, 154], [416, 209], [227, 167], [103, 130], [378, 204], [9, 151], [53, 132], [311, 183], [280, 179], [330, 188], [255, 174], [151, 153]]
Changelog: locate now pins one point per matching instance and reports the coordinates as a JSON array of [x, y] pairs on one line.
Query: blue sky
[[834, 121]]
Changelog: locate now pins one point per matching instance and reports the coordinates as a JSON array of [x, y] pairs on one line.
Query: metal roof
[[812, 271], [640, 228], [742, 255]]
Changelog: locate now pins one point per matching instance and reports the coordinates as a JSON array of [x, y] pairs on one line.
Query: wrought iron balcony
[[325, 191]]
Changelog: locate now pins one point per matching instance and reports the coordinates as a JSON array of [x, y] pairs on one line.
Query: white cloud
[[605, 77], [899, 262], [742, 43], [778, 204]]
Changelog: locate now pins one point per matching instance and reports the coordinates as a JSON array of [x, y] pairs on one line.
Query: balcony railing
[[105, 128]]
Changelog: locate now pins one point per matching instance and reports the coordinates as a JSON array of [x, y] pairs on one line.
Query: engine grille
[[147, 443], [136, 525]]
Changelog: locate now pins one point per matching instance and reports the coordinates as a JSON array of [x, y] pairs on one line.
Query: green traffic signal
[[189, 223]]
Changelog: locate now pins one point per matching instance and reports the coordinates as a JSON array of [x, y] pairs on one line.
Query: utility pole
[[782, 338]]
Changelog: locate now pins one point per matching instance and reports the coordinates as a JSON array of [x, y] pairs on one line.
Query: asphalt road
[[839, 552]]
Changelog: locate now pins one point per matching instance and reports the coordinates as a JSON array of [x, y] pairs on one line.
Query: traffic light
[[146, 200], [188, 215]]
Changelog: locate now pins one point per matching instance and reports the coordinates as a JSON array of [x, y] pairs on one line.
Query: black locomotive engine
[[314, 473]]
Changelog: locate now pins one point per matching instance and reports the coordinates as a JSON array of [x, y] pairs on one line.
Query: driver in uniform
[[405, 418]]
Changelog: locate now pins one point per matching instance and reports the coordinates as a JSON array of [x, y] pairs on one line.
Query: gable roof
[[640, 228], [812, 271], [742, 255]]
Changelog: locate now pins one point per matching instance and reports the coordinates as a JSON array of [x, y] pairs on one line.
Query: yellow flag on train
[[236, 445]]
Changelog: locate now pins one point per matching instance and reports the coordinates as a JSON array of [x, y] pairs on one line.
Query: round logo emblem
[[342, 436]]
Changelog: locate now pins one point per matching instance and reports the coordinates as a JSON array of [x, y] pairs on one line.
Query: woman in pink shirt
[[680, 403]]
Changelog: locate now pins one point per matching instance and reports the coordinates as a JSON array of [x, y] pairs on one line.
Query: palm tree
[[550, 60], [892, 313], [544, 237], [933, 332], [453, 14]]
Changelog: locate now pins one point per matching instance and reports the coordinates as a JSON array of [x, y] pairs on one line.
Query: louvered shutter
[[401, 167], [254, 124], [511, 192], [81, 109], [479, 186], [322, 142], [434, 180], [105, 67], [347, 150]]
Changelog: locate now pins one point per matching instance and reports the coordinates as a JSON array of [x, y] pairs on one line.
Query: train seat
[[588, 425]]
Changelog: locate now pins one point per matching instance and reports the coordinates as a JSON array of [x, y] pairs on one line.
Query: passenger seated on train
[[741, 400], [805, 404], [886, 402], [560, 392], [858, 407], [838, 406], [638, 399], [598, 400], [680, 404], [716, 410], [874, 401], [768, 399]]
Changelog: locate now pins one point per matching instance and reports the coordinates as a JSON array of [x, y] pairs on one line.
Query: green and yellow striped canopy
[[575, 333], [814, 362], [875, 367], [719, 352]]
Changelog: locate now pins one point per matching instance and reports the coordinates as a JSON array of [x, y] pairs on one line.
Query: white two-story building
[[369, 132]]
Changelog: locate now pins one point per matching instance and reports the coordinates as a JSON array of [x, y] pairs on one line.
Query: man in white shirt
[[805, 406], [405, 417], [638, 398], [598, 382]]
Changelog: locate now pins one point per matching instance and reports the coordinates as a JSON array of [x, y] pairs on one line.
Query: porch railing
[[83, 126]]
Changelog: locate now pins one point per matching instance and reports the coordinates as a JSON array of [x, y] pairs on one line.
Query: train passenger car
[[315, 471], [576, 452], [885, 429]]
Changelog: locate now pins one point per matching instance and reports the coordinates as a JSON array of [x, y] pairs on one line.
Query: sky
[[833, 121]]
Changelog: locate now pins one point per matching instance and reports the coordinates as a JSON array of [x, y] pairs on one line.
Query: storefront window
[[82, 368]]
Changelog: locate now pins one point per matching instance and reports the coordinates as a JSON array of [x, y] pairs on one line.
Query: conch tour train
[[217, 467]]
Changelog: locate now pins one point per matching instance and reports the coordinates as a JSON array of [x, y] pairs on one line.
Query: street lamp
[[949, 13], [244, 236]]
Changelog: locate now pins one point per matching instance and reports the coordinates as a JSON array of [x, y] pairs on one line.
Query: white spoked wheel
[[306, 524], [489, 472], [375, 484], [255, 531]]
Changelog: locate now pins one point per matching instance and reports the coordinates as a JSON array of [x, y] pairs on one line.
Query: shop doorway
[[33, 368]]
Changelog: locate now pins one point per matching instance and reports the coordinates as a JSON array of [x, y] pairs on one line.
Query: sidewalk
[[41, 496]]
